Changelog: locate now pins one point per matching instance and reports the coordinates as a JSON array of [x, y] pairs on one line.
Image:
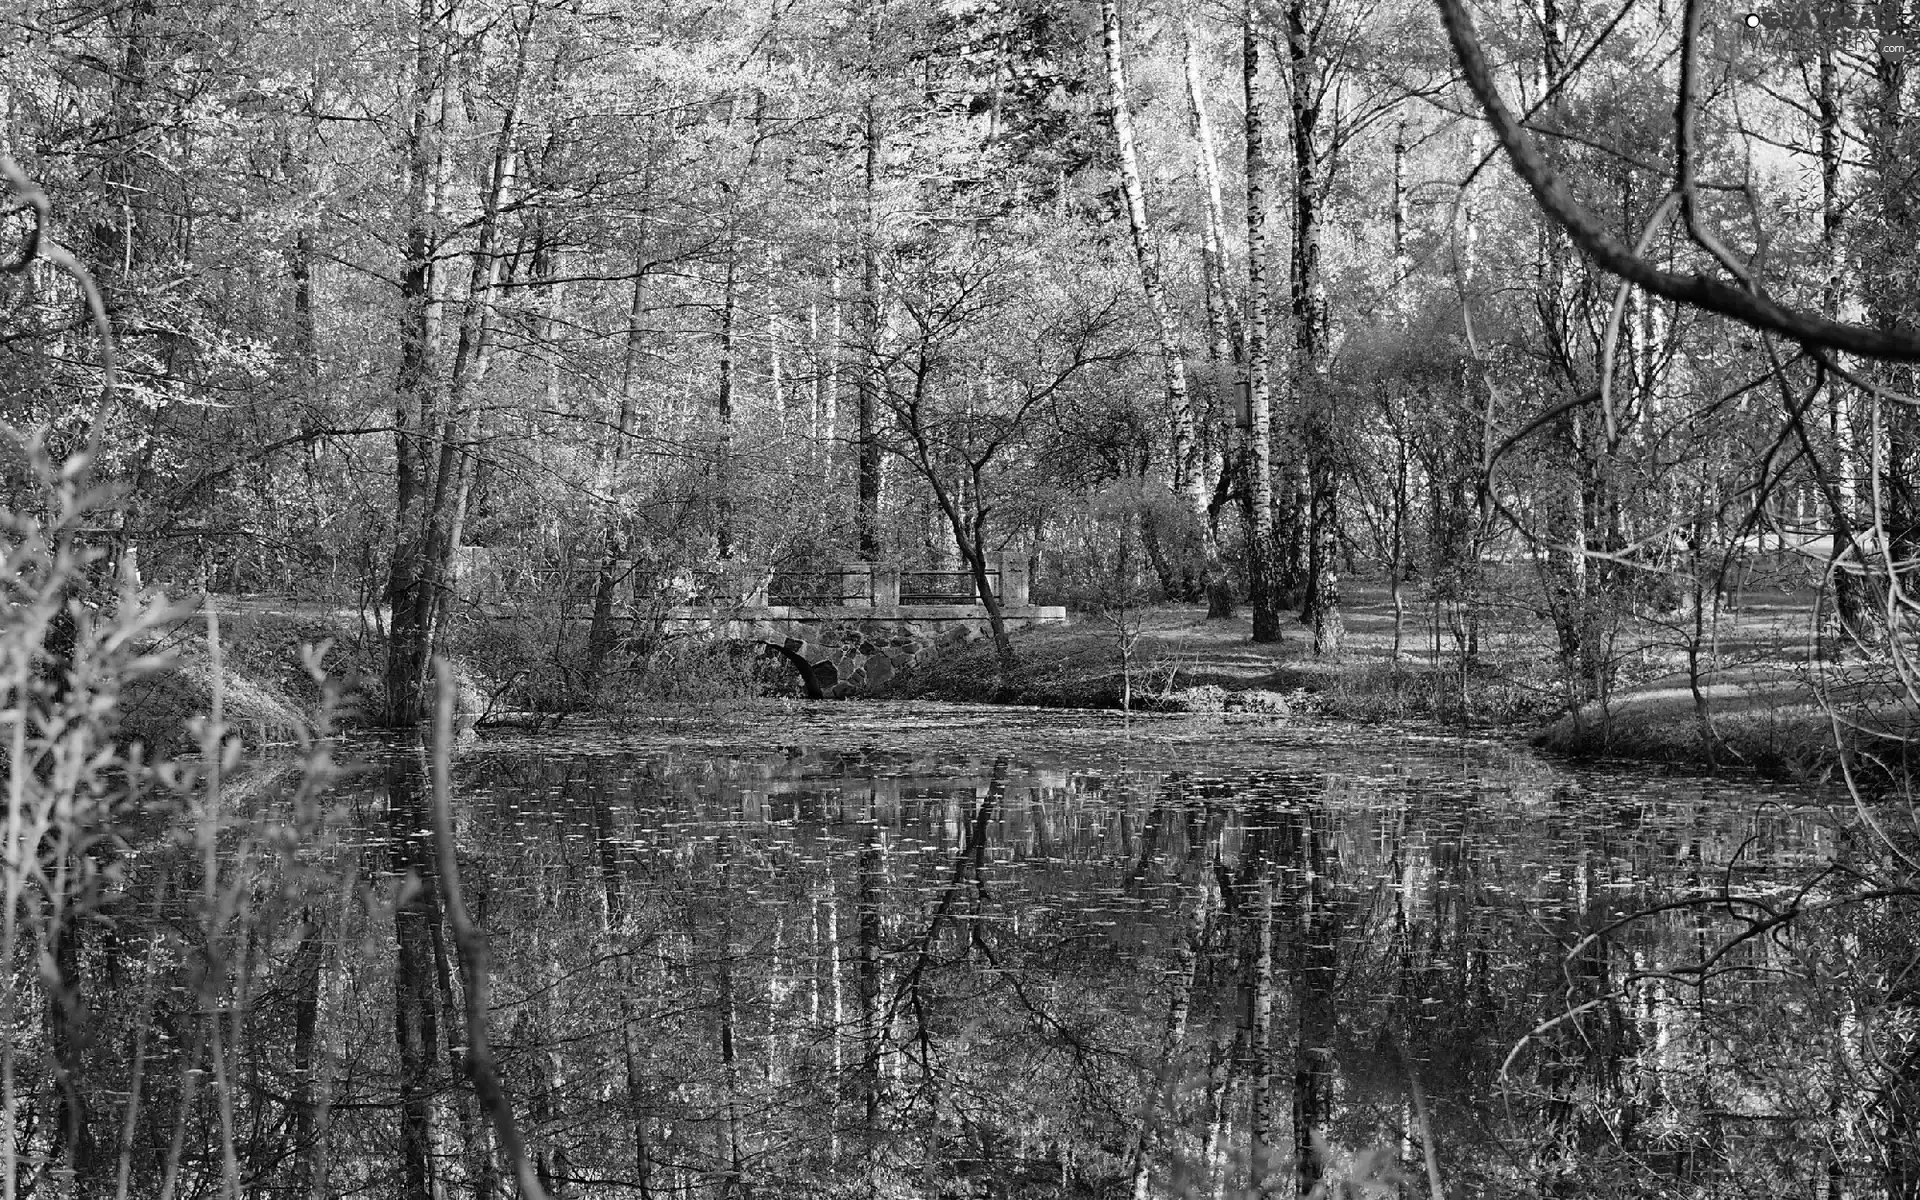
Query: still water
[[949, 951]]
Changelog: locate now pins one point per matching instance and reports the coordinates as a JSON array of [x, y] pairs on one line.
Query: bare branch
[[1751, 307]]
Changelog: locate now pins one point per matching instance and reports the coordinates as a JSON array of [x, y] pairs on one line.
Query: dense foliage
[[578, 298], [572, 307]]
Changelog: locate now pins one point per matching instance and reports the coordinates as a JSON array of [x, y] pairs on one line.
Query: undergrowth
[[104, 803]]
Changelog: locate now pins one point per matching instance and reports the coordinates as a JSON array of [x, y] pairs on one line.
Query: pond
[[927, 951]]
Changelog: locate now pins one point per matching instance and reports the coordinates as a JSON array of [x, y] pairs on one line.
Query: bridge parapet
[[871, 587], [853, 627]]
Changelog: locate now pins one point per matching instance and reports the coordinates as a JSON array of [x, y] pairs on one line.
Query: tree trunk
[[1572, 495], [1849, 591], [614, 564], [1320, 513], [1222, 352], [723, 441], [969, 535], [776, 367], [976, 556], [1213, 1149], [416, 412], [1889, 156], [1222, 336], [735, 1185], [1896, 1099], [1166, 573], [482, 1174], [1570, 590], [1188, 483], [1263, 592], [867, 387], [306, 343], [325, 1063], [434, 465], [636, 1105], [304, 970], [1323, 591], [67, 1023], [828, 1007], [123, 235], [1403, 294], [833, 352]]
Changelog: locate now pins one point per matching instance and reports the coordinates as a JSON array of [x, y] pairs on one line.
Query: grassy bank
[[1783, 719], [1734, 690], [1183, 661], [268, 694], [1764, 717]]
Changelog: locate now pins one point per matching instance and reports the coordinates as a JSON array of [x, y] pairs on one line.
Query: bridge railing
[[845, 585], [853, 585], [945, 587]]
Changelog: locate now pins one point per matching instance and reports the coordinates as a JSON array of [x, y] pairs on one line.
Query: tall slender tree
[[1263, 584]]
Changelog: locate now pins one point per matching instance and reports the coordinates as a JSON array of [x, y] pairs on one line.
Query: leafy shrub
[[91, 819]]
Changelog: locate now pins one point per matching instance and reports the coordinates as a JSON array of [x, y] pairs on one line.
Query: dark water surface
[[950, 951]]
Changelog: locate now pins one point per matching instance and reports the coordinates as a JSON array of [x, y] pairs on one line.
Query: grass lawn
[[1739, 688]]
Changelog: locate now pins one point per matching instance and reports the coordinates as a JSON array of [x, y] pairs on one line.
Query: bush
[[93, 817]]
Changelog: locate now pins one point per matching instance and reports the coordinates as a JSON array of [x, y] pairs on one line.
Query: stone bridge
[[850, 628]]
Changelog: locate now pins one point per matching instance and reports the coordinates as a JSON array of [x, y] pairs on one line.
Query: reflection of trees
[[1311, 964], [867, 975], [1354, 928], [426, 1006], [415, 1023]]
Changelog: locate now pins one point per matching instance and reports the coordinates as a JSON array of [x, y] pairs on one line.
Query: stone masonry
[[858, 645]]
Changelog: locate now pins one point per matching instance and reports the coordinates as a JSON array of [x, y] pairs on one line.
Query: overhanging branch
[[1608, 252]]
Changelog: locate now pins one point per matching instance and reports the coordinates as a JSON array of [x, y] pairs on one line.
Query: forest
[[369, 371], [598, 297]]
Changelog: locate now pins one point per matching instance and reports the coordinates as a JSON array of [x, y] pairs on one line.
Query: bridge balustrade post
[[855, 583], [886, 585], [1013, 580]]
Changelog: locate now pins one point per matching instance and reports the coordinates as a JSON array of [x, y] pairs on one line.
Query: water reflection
[[910, 962]]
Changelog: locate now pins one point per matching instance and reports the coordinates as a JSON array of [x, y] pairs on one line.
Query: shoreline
[[1764, 718], [1755, 710]]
